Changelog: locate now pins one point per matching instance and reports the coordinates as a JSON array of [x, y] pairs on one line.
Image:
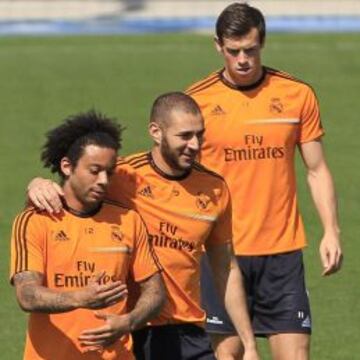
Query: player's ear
[[65, 166], [218, 44], [155, 132]]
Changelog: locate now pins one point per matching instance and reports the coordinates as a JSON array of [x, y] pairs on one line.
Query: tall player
[[185, 207], [255, 118], [65, 266]]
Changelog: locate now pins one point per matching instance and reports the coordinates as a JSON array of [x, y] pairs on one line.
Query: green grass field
[[45, 79]]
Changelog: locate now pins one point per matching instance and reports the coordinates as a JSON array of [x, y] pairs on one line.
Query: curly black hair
[[76, 132]]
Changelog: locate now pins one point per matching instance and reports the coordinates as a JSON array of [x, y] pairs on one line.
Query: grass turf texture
[[45, 79]]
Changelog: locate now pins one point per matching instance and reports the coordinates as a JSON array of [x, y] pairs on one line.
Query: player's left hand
[[100, 337], [330, 254]]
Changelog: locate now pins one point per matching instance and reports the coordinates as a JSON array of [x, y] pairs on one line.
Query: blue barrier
[[158, 25]]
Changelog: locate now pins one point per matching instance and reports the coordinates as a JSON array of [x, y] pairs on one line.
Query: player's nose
[[103, 178], [194, 143]]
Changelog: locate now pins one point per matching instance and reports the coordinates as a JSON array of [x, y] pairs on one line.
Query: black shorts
[[172, 342], [277, 298]]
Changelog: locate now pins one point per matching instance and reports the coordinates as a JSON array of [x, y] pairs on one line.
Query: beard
[[171, 156]]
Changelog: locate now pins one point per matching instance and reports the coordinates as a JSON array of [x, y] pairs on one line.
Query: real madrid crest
[[202, 200], [276, 106], [116, 234]]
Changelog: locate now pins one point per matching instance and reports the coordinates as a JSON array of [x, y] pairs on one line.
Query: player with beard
[[185, 207]]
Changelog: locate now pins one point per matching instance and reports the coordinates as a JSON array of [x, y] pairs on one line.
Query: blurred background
[[61, 57], [109, 16]]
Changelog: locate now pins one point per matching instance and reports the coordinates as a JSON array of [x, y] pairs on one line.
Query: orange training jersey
[[250, 139], [69, 250], [181, 214]]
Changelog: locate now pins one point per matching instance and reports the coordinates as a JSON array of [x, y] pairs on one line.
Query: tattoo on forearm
[[34, 297], [28, 277]]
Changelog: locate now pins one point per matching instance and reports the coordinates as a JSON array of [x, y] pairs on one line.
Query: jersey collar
[[165, 175], [81, 214], [244, 87]]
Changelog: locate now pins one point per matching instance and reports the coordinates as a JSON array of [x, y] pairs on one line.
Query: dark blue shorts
[[172, 342], [276, 293]]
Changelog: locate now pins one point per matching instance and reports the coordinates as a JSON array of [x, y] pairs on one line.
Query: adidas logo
[[146, 191], [217, 110], [61, 236]]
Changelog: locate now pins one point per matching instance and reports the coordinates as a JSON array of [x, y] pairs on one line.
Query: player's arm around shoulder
[[45, 194], [323, 193]]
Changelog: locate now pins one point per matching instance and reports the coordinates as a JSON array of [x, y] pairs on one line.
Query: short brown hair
[[237, 20]]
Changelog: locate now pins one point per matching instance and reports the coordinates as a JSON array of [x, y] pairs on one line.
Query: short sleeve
[[144, 259], [222, 230], [310, 124], [27, 243], [122, 187]]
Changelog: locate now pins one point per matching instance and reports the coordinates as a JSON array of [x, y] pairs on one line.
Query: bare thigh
[[227, 347], [290, 346]]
